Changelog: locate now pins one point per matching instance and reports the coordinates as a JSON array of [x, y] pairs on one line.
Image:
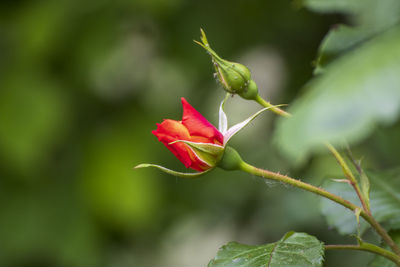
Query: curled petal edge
[[174, 173], [223, 120]]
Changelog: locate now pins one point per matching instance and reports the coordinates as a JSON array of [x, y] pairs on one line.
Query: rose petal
[[197, 125], [223, 120], [169, 131]]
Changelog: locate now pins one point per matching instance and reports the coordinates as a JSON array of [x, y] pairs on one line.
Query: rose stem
[[365, 213]]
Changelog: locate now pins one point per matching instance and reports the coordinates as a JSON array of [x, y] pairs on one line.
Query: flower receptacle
[[250, 92], [230, 160]]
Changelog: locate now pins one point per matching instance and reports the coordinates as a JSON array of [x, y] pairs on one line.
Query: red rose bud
[[235, 78], [193, 140], [197, 143]]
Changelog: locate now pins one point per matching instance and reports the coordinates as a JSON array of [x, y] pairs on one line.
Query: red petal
[[169, 131], [174, 129], [198, 125]]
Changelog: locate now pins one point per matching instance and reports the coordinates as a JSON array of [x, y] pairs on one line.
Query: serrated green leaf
[[294, 249], [384, 200], [379, 261], [347, 100]]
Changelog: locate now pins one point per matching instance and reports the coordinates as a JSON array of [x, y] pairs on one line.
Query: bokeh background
[[82, 84]]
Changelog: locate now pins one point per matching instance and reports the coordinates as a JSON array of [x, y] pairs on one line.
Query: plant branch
[[273, 108], [297, 183], [355, 163], [243, 166], [346, 170], [382, 232], [367, 247], [365, 213], [350, 176]]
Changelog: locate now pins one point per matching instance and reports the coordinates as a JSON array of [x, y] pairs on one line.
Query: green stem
[[350, 176], [382, 232], [296, 183], [367, 247], [365, 213], [243, 166], [346, 170], [273, 108]]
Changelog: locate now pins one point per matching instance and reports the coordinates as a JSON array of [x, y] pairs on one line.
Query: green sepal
[[209, 153], [365, 187], [205, 147], [357, 213], [203, 37], [174, 173], [237, 127], [232, 80]]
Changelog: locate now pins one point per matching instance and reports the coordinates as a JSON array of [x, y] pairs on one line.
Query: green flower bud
[[235, 78]]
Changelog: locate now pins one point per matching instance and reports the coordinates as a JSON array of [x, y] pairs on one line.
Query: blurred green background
[[82, 84]]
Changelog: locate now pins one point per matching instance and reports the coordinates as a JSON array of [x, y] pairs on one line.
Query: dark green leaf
[[333, 6], [378, 14], [370, 17], [347, 100], [337, 216], [384, 201], [294, 249], [339, 39]]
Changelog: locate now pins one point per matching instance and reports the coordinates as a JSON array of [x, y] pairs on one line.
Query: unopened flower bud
[[193, 140], [235, 78]]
